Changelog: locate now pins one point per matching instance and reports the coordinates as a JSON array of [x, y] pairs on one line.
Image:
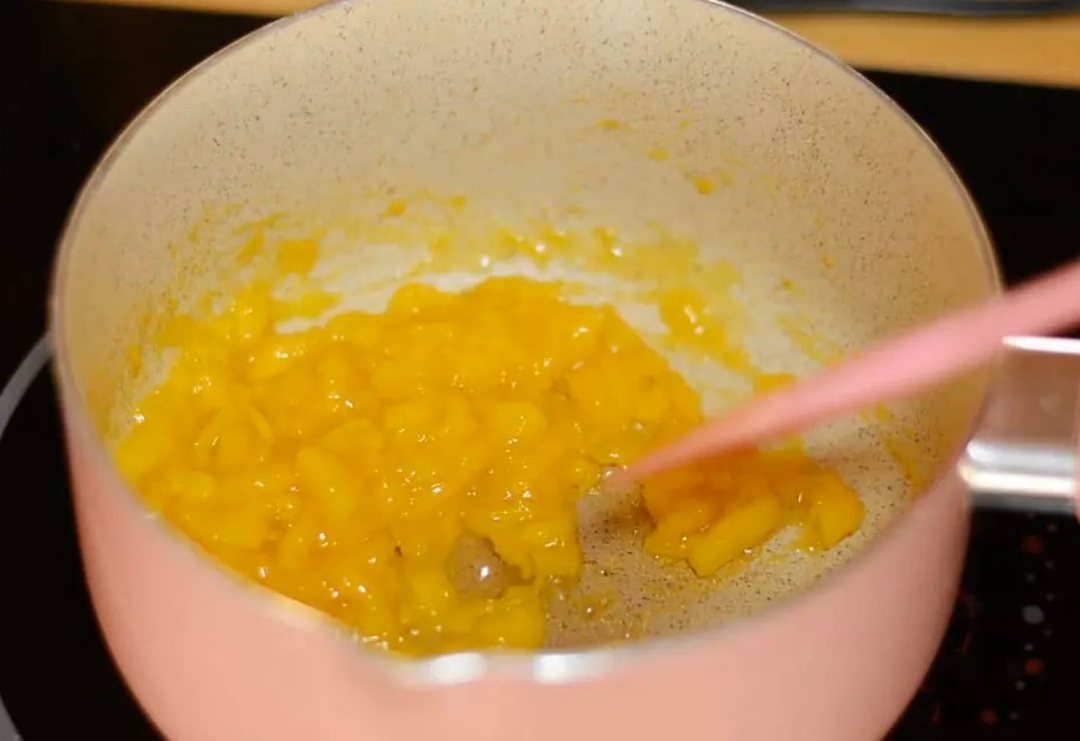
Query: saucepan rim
[[548, 666]]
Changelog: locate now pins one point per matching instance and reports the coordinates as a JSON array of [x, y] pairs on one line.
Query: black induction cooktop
[[71, 75]]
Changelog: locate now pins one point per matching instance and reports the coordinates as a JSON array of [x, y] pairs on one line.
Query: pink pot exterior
[[211, 660]]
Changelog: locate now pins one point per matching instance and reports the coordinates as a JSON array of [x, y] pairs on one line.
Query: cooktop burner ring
[[14, 391]]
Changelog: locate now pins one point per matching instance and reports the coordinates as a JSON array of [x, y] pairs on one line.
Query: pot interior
[[805, 207]]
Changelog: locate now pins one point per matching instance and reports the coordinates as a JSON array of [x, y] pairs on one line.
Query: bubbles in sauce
[[477, 571]]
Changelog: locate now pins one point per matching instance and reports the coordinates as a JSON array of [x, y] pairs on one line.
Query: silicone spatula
[[893, 370]]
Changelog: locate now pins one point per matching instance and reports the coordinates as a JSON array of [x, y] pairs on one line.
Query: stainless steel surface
[[1023, 455]]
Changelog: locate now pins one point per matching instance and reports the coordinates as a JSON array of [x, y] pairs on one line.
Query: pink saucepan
[[843, 219]]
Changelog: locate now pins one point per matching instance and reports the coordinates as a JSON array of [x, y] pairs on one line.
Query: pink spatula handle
[[895, 369]]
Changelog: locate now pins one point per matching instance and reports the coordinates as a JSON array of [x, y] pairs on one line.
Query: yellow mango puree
[[346, 465]]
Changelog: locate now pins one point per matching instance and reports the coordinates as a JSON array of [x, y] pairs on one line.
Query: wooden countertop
[[1033, 50]]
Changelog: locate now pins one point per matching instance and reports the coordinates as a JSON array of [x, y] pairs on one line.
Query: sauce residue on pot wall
[[356, 462]]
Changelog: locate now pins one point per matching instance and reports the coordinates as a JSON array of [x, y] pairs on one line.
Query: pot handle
[[1024, 452]]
